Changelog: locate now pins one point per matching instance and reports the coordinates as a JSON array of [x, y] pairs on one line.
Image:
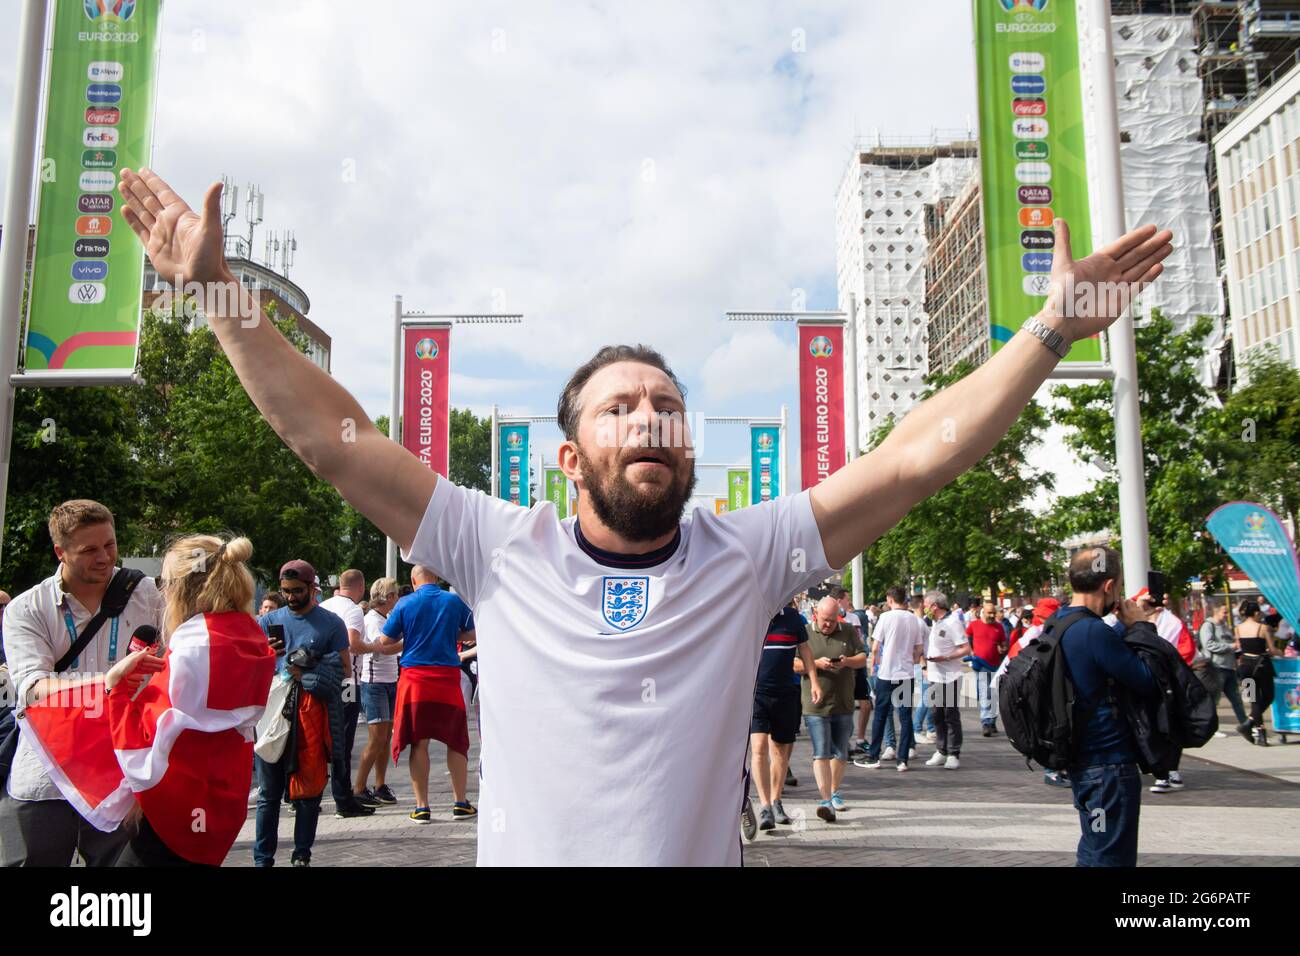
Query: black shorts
[[777, 715], [861, 686]]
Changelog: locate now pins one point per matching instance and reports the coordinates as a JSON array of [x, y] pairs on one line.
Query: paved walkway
[[991, 812]]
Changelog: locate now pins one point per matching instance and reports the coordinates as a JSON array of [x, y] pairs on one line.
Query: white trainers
[[1175, 780], [889, 754], [902, 766], [936, 759], [952, 763], [1161, 786]]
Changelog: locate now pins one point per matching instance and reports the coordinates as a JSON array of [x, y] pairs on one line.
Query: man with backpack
[[61, 637], [1063, 705]]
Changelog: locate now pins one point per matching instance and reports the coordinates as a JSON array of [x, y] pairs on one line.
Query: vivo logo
[[106, 70], [1033, 172], [1036, 261], [86, 293], [1026, 62], [97, 182], [101, 136], [92, 270]]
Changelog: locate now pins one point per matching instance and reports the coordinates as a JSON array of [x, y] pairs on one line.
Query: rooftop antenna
[[229, 201], [253, 206], [286, 254]]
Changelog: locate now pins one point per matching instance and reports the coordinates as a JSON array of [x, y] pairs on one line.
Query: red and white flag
[[182, 748]]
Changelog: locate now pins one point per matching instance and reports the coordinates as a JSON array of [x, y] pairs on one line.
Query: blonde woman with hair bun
[[185, 742]]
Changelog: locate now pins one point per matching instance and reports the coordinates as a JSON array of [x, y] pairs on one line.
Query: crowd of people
[[127, 660], [900, 666], [96, 641]]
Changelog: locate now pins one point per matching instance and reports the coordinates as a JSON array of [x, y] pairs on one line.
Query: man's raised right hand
[[183, 245]]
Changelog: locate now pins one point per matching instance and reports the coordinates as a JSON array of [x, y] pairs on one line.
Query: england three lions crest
[[624, 601]]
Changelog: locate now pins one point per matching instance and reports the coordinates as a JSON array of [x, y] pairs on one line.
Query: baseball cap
[[301, 570]]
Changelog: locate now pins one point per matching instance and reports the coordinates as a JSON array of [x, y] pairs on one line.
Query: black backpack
[[1037, 700]]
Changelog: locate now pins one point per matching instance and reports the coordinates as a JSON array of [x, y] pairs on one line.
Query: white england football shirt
[[900, 632], [616, 691]]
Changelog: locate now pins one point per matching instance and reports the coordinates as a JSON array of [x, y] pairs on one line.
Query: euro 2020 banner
[[426, 390], [87, 268], [821, 402], [512, 454], [1032, 158], [1257, 542], [765, 463]]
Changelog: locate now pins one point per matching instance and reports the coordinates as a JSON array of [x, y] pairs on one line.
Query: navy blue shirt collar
[[612, 559]]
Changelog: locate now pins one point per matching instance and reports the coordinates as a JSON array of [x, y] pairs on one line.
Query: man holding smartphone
[[837, 655]]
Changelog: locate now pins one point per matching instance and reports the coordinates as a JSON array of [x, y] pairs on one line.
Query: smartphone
[[1157, 587], [837, 658], [275, 634]]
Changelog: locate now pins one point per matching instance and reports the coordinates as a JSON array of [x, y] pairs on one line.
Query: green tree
[[1177, 417], [470, 464], [1256, 442], [68, 443], [977, 532]]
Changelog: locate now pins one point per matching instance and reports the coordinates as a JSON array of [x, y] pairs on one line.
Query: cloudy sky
[[616, 172]]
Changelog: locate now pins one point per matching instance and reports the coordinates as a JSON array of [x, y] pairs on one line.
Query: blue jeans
[[1108, 798], [988, 701], [1229, 680], [891, 738], [830, 735], [885, 693], [272, 782], [922, 716]]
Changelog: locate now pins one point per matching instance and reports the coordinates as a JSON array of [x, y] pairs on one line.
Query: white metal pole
[[851, 421], [18, 205], [492, 488], [1099, 51], [784, 459], [394, 414]]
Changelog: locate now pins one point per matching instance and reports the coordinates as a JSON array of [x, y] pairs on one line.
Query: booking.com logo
[[110, 9]]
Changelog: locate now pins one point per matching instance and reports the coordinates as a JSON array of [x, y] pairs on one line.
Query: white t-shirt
[[900, 632], [377, 668], [614, 696], [353, 618], [945, 637]]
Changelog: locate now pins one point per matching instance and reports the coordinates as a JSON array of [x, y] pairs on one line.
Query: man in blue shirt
[[430, 705], [304, 625], [1103, 770]]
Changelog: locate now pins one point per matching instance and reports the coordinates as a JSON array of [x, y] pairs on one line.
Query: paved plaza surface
[[1238, 811]]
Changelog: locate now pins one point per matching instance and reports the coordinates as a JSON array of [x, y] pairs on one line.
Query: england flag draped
[[182, 748]]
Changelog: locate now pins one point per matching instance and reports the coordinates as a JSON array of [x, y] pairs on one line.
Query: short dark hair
[[839, 593], [567, 411], [1249, 608], [897, 595], [1093, 567], [275, 597]]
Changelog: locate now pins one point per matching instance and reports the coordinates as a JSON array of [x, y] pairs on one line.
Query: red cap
[[1045, 608], [301, 570]]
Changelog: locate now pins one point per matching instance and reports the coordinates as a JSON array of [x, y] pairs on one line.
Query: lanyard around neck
[[72, 636]]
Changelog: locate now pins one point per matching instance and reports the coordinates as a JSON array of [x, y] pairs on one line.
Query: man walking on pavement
[[900, 645]]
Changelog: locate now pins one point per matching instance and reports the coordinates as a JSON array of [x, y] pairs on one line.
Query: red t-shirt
[[984, 639]]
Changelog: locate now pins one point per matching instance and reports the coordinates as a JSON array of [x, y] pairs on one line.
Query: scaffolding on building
[[956, 298]]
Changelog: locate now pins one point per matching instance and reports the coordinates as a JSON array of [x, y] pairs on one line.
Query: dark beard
[[628, 513]]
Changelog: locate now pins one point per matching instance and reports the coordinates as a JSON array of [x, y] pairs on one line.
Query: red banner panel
[[821, 402], [426, 376]]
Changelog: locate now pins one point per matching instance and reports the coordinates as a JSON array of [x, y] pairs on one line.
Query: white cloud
[[746, 364]]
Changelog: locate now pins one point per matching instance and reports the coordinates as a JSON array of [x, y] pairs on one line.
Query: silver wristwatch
[[1050, 337]]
